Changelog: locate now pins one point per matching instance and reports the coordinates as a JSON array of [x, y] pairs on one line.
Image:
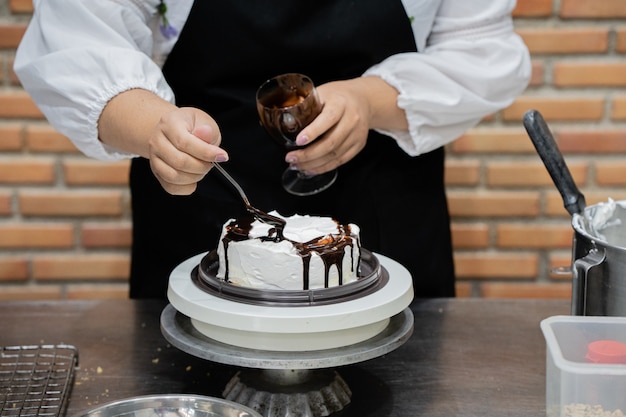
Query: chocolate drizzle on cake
[[330, 248], [263, 217]]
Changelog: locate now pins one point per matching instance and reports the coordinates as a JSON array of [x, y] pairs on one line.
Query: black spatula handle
[[573, 199]]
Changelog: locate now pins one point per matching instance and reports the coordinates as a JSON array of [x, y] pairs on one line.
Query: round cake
[[309, 252]]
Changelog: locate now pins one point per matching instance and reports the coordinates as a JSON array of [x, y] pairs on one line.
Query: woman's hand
[[339, 133], [181, 143], [182, 149]]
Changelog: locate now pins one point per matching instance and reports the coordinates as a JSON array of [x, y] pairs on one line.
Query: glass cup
[[286, 105]]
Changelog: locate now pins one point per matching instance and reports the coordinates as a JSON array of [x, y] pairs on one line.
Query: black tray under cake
[[371, 277]]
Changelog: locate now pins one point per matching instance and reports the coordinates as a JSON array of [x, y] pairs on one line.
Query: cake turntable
[[288, 350]]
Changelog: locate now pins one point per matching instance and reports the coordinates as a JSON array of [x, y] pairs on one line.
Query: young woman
[[398, 79]]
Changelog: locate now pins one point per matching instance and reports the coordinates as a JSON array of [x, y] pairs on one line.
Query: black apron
[[225, 51]]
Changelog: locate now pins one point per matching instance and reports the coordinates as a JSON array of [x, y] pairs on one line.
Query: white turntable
[[289, 349]]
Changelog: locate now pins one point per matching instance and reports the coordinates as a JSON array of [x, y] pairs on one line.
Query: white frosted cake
[[310, 253]]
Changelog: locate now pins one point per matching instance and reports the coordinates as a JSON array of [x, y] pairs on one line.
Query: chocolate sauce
[[263, 217], [330, 248], [286, 104]]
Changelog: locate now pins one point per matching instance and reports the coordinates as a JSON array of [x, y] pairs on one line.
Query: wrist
[[382, 99], [129, 118]]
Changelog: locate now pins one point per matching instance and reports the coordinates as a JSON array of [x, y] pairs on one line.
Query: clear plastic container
[[585, 366]]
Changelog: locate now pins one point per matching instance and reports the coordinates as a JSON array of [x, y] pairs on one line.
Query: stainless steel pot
[[599, 243]]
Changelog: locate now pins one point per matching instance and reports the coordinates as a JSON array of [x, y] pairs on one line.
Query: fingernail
[[220, 157], [302, 140], [291, 160], [293, 168]]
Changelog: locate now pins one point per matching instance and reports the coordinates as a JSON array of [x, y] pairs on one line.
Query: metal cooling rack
[[36, 380]]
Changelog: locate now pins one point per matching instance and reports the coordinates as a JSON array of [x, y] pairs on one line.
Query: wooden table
[[466, 357]]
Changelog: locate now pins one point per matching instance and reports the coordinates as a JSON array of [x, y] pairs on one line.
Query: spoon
[[260, 215]]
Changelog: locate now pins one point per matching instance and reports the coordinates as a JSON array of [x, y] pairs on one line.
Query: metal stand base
[[286, 384], [290, 392]]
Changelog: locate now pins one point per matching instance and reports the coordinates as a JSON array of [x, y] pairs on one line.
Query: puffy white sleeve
[[470, 64], [78, 54]]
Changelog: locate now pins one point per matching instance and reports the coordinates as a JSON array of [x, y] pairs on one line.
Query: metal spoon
[[260, 215]]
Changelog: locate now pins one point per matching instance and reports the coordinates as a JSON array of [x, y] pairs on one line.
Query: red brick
[[97, 292], [492, 141], [46, 139], [592, 74], [596, 9], [10, 138], [620, 42], [109, 235], [537, 236], [21, 6], [557, 108], [34, 235], [565, 40], [18, 105], [27, 170], [462, 172], [533, 8], [525, 290], [611, 173], [493, 204], [30, 292], [12, 75], [463, 289], [489, 118], [5, 203], [592, 141], [83, 267], [13, 268], [70, 203], [470, 235], [537, 76], [618, 108], [91, 172], [495, 265], [11, 35], [527, 174]]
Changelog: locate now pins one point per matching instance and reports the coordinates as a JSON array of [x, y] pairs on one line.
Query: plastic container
[[585, 366]]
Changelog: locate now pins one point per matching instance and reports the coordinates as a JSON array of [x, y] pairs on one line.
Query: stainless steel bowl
[[171, 405]]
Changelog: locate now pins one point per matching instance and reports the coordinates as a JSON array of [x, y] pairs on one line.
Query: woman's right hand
[[181, 143], [182, 149]]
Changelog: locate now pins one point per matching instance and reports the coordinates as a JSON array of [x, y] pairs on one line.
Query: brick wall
[[64, 219]]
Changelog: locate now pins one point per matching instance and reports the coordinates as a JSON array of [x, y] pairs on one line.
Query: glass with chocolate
[[286, 105]]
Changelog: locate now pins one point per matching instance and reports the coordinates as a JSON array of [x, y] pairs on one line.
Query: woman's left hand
[[339, 133]]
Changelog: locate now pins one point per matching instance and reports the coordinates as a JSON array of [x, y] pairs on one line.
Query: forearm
[[129, 118], [384, 112]]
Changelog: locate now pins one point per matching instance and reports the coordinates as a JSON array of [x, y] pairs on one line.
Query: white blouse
[[78, 54]]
